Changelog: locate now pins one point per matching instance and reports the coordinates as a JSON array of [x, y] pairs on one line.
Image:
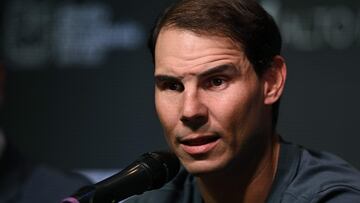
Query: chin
[[203, 167]]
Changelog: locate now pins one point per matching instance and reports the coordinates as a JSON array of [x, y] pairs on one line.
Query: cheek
[[238, 113], [231, 116], [229, 104]]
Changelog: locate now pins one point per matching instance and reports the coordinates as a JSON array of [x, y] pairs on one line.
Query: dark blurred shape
[[23, 181]]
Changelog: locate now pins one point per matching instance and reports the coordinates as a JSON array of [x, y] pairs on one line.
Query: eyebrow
[[227, 68], [163, 78]]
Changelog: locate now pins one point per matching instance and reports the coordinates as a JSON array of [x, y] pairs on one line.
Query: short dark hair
[[243, 21]]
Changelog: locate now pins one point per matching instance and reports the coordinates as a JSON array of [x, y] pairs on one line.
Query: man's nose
[[194, 111]]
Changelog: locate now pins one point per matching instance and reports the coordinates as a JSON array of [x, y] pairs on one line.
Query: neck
[[249, 184]]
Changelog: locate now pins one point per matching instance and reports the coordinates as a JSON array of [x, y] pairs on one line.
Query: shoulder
[[323, 177], [46, 184], [23, 181], [57, 178], [180, 190]]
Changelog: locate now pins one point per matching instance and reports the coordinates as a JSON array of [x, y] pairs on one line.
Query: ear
[[274, 80]]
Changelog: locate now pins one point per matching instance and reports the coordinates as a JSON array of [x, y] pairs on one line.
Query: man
[[219, 78]]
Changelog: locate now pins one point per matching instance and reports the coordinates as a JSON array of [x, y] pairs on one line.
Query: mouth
[[199, 144]]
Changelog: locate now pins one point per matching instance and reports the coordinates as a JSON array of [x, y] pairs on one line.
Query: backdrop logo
[[37, 33], [317, 27]]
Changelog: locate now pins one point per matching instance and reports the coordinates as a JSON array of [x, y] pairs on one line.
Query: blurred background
[[79, 79]]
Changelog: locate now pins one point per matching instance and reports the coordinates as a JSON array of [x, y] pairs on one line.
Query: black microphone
[[151, 171]]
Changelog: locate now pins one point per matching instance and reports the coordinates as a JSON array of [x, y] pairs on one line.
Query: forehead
[[179, 47], [189, 38]]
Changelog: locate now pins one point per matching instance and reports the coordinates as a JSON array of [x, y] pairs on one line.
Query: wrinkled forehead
[[174, 41], [180, 50]]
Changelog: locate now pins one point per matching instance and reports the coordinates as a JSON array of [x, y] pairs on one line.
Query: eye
[[216, 83], [170, 85], [174, 86]]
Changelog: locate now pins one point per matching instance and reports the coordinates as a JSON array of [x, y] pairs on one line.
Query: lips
[[199, 144], [200, 141]]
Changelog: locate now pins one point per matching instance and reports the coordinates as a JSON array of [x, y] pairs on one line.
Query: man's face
[[208, 99]]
